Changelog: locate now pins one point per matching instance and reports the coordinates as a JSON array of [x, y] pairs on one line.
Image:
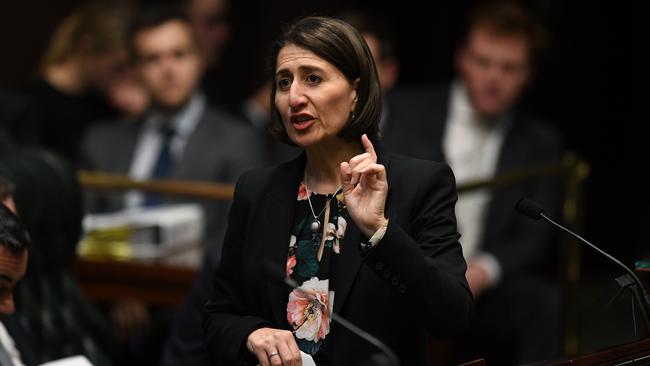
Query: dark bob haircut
[[338, 43]]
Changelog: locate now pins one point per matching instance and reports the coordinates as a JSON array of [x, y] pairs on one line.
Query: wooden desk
[[619, 355], [154, 283]]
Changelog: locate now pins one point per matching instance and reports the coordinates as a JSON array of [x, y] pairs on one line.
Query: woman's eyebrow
[[302, 68]]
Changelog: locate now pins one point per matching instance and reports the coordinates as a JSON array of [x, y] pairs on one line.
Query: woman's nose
[[296, 96]]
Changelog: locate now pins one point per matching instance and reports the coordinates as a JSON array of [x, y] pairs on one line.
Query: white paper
[[69, 361], [307, 360]]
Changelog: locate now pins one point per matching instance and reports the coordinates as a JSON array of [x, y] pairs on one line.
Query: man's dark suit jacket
[[415, 127], [220, 148], [409, 286]]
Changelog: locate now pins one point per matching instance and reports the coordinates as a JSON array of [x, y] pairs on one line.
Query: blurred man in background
[[180, 137], [477, 126], [209, 19]]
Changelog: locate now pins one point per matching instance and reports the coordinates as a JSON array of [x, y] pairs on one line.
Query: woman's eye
[[283, 84], [313, 79]]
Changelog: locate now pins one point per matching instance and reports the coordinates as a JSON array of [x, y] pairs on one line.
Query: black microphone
[[387, 359], [531, 209]]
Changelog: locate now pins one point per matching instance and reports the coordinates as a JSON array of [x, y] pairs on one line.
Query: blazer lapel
[[278, 208]]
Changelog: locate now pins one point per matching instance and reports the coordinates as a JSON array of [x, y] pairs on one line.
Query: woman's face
[[314, 98]]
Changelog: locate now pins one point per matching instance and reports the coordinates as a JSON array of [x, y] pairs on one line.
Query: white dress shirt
[[471, 146], [150, 142], [9, 346]]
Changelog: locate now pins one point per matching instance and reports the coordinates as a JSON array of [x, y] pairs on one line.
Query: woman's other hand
[[274, 347]]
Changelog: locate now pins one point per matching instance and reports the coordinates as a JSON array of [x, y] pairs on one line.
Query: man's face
[[211, 26], [99, 69], [495, 69], [12, 269], [387, 69], [169, 63]]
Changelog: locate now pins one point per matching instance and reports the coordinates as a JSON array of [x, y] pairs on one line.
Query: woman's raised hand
[[365, 188]]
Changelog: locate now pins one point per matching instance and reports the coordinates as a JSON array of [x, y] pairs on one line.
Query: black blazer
[[415, 127], [409, 286]]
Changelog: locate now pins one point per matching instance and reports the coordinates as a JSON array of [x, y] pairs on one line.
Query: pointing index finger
[[367, 145]]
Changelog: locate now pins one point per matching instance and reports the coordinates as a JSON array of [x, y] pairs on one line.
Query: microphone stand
[[633, 283]]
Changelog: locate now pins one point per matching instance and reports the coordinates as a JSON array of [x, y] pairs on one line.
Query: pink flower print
[[309, 314], [291, 262], [302, 192]]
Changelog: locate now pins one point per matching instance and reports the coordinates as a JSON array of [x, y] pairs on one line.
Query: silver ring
[[274, 353]]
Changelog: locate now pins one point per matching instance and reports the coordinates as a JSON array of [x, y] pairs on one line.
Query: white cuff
[[378, 235]]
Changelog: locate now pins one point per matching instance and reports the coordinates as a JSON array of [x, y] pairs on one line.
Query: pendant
[[315, 226]]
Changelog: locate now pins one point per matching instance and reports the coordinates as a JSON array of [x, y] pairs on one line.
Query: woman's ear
[[355, 85]]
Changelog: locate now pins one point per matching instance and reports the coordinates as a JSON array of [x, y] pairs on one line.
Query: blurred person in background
[[209, 19], [87, 51], [16, 347], [380, 38], [382, 43], [128, 95], [210, 22], [16, 120], [477, 125], [181, 136]]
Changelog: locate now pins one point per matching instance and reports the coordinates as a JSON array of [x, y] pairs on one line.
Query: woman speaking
[[366, 235]]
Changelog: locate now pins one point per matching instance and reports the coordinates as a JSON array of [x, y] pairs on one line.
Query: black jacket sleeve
[[226, 326]]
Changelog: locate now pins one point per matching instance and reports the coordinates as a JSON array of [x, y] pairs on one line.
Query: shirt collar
[[461, 105], [185, 120]]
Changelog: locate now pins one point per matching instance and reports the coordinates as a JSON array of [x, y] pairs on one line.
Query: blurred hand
[[477, 278], [274, 347], [129, 317], [128, 96], [365, 188]]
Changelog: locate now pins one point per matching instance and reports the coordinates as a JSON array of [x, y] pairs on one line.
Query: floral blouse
[[310, 259]]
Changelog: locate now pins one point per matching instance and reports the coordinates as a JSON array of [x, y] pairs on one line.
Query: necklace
[[315, 223]]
